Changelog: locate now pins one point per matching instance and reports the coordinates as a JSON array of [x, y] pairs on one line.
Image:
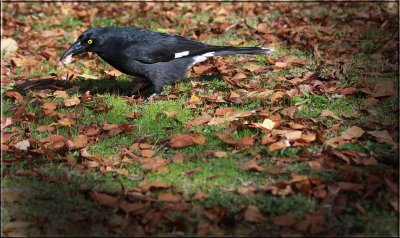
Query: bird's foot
[[150, 98]]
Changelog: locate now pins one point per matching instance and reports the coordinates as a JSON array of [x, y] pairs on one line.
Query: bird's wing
[[160, 47]]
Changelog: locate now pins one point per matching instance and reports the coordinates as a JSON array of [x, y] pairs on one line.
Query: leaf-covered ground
[[301, 142]]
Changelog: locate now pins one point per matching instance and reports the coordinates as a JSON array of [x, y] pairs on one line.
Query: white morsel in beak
[[67, 59]]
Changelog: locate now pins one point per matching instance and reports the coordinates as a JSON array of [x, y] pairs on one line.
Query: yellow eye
[[90, 42]]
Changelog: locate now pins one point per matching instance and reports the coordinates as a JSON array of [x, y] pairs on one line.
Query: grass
[[59, 203]]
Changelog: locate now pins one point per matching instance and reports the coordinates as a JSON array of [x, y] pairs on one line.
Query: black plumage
[[159, 57]]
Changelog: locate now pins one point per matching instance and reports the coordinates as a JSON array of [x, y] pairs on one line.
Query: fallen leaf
[[169, 197], [80, 141], [6, 122], [327, 113], [268, 124], [16, 95], [293, 135], [247, 190], [8, 45], [252, 67], [199, 120], [220, 154], [156, 184], [199, 69], [148, 153], [239, 76], [352, 132], [382, 137], [22, 145], [281, 65], [104, 199], [45, 128], [128, 207], [252, 166], [11, 196], [223, 111], [179, 140], [199, 196], [284, 220], [178, 158], [60, 94], [383, 88], [49, 107], [278, 145], [195, 100], [253, 214], [66, 122], [70, 102]]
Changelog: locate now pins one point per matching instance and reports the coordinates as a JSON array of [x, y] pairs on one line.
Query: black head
[[89, 41]]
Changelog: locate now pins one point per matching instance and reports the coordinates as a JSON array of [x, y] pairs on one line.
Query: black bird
[[159, 57]]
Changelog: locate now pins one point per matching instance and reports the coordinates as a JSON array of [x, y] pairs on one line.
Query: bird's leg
[[141, 84], [158, 88], [150, 98]]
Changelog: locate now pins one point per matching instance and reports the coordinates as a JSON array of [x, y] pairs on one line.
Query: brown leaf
[[80, 141], [383, 89], [276, 96], [132, 115], [169, 197], [60, 94], [267, 139], [289, 111], [179, 140], [307, 137], [239, 76], [284, 220], [248, 190], [22, 145], [70, 102], [148, 153], [223, 111], [245, 141], [199, 196], [281, 65], [128, 207], [45, 128], [382, 137], [6, 122], [199, 69], [327, 113], [199, 120], [352, 132], [252, 67], [104, 199], [11, 196], [66, 122], [253, 214], [220, 154], [155, 164], [178, 158], [252, 166], [113, 73], [293, 135], [278, 145], [156, 184], [16, 95], [49, 107], [370, 101]]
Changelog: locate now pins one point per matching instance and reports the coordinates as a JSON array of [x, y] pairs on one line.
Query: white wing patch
[[181, 54], [201, 58]]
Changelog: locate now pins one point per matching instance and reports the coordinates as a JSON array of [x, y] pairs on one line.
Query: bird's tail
[[242, 50]]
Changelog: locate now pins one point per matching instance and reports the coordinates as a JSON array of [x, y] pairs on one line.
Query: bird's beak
[[75, 49]]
